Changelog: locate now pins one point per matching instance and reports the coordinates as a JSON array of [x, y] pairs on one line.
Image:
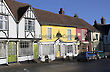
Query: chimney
[[102, 20], [95, 22], [61, 11], [76, 15]]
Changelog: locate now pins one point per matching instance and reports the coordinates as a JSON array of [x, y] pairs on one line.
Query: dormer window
[[3, 22], [29, 25]]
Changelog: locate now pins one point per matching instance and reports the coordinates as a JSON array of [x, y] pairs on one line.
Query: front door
[[58, 51], [35, 51], [12, 52]]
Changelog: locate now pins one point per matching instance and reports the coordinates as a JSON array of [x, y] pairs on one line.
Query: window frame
[[49, 33], [5, 22], [83, 34], [69, 34], [29, 27]]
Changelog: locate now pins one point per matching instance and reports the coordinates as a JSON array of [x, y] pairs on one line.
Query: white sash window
[[29, 25], [69, 34], [3, 22], [49, 33], [83, 35]]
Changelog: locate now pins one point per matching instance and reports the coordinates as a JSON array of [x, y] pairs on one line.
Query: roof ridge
[[56, 13], [22, 3]]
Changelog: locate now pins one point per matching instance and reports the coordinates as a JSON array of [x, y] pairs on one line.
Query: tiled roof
[[48, 18], [103, 28]]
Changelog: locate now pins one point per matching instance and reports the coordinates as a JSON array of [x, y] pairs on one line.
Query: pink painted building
[[81, 34], [82, 37]]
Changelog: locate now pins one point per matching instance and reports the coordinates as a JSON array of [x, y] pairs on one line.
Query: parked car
[[100, 54], [86, 56]]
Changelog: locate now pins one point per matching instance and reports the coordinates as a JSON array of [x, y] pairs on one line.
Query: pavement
[[102, 65]]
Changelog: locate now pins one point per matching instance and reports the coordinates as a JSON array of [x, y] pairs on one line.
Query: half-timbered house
[[8, 34], [19, 29]]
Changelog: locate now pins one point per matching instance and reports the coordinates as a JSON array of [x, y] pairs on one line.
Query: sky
[[89, 10]]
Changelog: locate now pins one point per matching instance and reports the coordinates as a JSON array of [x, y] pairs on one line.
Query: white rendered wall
[[12, 28]]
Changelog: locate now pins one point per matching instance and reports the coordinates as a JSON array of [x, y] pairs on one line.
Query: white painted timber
[[24, 58], [3, 61]]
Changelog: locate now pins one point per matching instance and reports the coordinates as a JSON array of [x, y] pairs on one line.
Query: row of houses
[[104, 29], [27, 33]]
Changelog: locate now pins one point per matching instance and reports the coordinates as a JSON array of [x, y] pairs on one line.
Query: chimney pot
[[76, 15], [61, 11], [95, 22], [102, 20]]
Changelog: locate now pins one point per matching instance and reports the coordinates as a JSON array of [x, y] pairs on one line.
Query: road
[[102, 65]]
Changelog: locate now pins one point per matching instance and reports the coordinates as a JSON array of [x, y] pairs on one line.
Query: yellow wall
[[55, 29]]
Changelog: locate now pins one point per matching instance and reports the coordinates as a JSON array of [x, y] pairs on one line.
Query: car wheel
[[95, 58], [99, 57], [105, 57], [87, 59]]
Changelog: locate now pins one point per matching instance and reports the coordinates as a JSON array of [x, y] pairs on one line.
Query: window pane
[[49, 33], [26, 24], [29, 25], [33, 25], [6, 18], [1, 17], [69, 36], [6, 25], [83, 35], [1, 24]]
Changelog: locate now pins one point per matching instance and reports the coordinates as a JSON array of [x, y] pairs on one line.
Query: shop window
[[24, 44]]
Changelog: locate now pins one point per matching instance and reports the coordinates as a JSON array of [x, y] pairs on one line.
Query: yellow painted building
[[51, 41], [54, 30]]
